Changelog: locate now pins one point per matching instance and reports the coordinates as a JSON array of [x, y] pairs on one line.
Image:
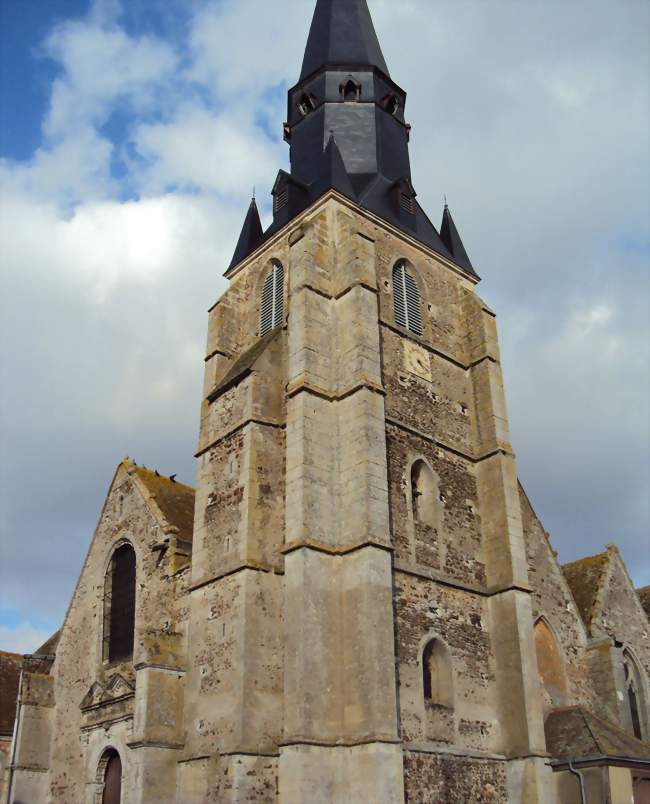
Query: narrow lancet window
[[425, 495], [634, 695], [119, 605], [437, 677], [406, 299], [272, 308]]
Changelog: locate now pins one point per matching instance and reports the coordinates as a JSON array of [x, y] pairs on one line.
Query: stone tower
[[360, 615]]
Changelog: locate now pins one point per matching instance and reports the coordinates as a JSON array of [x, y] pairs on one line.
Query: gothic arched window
[[634, 695], [437, 675], [272, 307], [550, 666], [406, 299], [119, 605], [425, 495]]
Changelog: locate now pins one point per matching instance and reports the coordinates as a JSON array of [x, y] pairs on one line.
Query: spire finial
[[446, 204]]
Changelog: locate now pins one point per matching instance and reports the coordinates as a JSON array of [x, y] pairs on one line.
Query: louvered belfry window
[[119, 603], [406, 297], [272, 310]]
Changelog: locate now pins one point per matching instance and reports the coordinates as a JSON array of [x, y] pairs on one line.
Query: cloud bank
[[532, 118]]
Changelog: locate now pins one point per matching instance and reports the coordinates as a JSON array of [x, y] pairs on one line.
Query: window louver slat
[[272, 305], [406, 300]]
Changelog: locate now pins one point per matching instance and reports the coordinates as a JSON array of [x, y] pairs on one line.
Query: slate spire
[[251, 235], [347, 133], [342, 33], [453, 242]]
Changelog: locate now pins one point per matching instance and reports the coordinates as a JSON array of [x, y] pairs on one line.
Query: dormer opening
[[306, 103], [351, 91], [391, 104]]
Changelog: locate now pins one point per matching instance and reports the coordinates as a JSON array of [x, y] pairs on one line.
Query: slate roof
[[342, 33], [251, 235], [452, 240], [644, 597], [175, 500], [585, 578], [356, 146], [576, 733], [9, 680]]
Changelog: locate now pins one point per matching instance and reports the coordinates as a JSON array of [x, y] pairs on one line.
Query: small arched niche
[[438, 692], [437, 675], [550, 667], [425, 495]]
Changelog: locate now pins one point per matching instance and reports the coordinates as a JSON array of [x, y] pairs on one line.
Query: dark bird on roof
[[172, 478]]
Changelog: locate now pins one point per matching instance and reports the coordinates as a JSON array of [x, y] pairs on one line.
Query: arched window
[[437, 675], [272, 309], [550, 666], [406, 299], [351, 91], [634, 695], [112, 777], [119, 605], [425, 495]]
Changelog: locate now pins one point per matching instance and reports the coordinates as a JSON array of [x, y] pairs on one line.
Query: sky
[[131, 137]]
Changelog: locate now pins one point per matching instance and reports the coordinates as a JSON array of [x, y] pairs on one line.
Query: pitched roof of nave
[[175, 500], [573, 732], [585, 578], [644, 597], [9, 679]]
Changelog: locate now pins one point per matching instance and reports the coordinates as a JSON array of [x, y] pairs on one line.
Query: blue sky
[[132, 135]]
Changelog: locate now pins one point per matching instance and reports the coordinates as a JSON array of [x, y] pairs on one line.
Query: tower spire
[[347, 131], [342, 34]]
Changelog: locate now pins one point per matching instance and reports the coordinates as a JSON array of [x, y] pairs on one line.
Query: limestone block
[[520, 699], [158, 715], [369, 774], [504, 544]]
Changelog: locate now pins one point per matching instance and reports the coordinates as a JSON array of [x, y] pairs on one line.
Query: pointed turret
[[251, 235], [453, 242], [342, 34]]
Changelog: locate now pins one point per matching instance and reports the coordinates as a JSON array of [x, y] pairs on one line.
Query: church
[[357, 604]]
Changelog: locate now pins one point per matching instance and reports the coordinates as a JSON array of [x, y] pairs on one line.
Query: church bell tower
[[360, 617]]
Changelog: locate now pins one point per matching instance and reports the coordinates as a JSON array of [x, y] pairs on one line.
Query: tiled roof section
[[9, 679], [576, 733], [49, 648], [175, 500], [585, 578], [644, 597]]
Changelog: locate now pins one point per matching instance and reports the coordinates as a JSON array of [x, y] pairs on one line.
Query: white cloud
[[104, 67], [538, 134], [222, 153], [22, 638]]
